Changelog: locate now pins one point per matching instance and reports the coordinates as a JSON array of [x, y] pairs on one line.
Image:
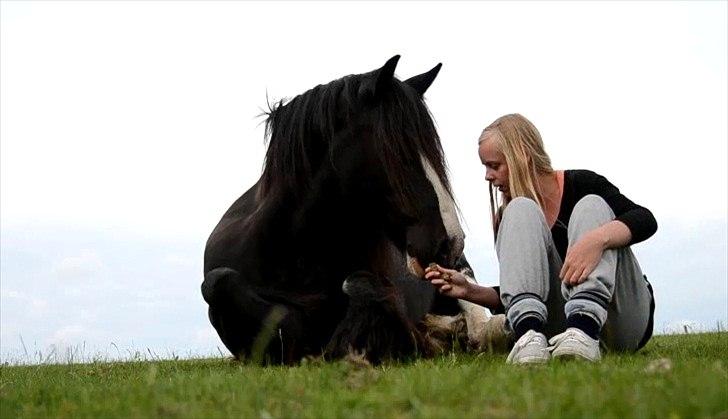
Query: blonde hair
[[521, 144]]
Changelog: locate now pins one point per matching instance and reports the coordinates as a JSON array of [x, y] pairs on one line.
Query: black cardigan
[[578, 184]]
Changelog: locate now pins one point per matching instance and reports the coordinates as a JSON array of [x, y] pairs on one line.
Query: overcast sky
[[128, 128]]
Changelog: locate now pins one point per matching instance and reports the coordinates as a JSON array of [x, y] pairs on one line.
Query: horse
[[313, 258]]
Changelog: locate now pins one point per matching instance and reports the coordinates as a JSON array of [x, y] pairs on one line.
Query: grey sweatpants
[[615, 294]]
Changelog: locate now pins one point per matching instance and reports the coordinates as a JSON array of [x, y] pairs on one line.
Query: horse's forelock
[[408, 135]]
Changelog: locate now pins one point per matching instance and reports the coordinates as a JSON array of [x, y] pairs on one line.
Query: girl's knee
[[522, 205], [593, 207], [522, 216], [591, 203]]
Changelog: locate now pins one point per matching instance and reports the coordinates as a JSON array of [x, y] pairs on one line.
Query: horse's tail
[[250, 326]]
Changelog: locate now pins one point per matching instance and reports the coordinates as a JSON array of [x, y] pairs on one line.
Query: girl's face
[[496, 169]]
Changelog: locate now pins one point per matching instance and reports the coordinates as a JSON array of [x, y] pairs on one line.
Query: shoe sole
[[530, 361], [572, 357]]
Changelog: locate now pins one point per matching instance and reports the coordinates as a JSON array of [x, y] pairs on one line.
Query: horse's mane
[[300, 131]]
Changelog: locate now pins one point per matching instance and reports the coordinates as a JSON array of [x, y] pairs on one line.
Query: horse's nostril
[[443, 252]]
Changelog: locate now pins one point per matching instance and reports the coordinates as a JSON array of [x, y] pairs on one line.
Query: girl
[[562, 240]]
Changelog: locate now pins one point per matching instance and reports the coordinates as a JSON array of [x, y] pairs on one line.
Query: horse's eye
[[409, 218]]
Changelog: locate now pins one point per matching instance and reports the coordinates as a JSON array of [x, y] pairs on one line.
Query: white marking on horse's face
[[448, 213], [345, 287]]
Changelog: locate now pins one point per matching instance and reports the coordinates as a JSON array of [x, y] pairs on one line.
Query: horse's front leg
[[375, 323], [251, 325]]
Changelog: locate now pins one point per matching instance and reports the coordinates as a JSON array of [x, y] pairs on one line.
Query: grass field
[[679, 376]]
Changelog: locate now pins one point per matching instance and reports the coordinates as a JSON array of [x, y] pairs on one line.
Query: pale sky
[[128, 128]]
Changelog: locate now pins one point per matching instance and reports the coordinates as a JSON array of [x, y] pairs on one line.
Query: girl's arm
[[454, 284], [585, 254]]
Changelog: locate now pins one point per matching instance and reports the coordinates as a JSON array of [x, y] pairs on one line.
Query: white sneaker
[[575, 344], [531, 348]]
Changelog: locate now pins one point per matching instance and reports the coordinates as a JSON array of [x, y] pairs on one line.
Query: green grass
[[694, 384]]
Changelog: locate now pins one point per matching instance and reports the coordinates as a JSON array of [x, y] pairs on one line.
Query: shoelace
[[533, 340], [569, 334]]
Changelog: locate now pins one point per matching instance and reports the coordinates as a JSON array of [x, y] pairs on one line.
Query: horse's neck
[[322, 229]]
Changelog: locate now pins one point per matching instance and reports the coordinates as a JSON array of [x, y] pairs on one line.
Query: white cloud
[[206, 335], [32, 305], [10, 294], [71, 334], [39, 305], [685, 326], [152, 305], [183, 262], [86, 265], [67, 344]]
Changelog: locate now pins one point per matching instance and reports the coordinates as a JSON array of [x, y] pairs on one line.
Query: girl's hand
[[449, 282], [582, 258]]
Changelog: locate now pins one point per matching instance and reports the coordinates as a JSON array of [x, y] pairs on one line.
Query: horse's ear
[[422, 82], [381, 79]]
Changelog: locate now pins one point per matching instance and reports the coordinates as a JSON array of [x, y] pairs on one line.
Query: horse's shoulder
[[244, 205], [232, 228]]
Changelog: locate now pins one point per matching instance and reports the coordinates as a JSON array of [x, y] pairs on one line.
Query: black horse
[[312, 258]]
